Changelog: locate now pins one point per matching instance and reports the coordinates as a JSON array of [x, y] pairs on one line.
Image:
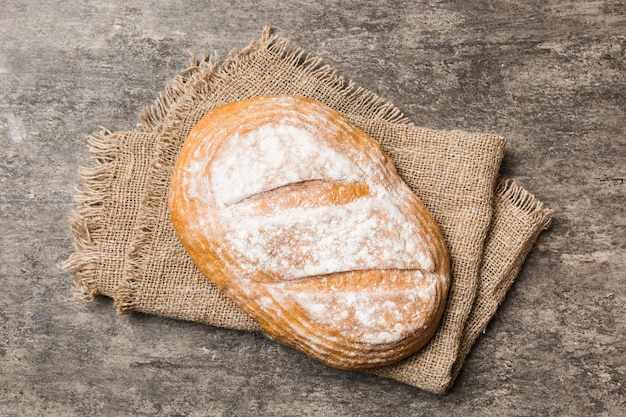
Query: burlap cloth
[[125, 246]]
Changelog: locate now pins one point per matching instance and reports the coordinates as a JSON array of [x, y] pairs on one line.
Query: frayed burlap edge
[[88, 220], [203, 75]]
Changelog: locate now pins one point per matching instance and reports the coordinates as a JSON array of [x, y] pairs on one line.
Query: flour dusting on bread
[[301, 219]]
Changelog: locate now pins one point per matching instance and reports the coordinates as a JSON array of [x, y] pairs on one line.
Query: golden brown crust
[[301, 219]]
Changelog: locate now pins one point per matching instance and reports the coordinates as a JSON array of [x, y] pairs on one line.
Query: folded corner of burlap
[[125, 246]]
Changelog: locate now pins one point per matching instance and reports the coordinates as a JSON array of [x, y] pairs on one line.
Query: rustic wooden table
[[550, 76]]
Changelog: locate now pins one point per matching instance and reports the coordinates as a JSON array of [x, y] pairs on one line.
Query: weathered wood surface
[[548, 75]]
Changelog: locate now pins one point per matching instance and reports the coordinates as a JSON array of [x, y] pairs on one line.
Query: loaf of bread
[[302, 220]]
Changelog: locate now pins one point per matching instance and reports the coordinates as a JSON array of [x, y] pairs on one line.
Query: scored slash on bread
[[301, 219]]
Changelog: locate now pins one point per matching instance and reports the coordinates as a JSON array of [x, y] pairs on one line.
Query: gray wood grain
[[548, 75]]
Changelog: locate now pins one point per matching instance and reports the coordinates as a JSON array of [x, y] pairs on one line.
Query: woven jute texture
[[126, 247]]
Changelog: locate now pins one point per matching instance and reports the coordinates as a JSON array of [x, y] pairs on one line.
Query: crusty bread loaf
[[301, 219]]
